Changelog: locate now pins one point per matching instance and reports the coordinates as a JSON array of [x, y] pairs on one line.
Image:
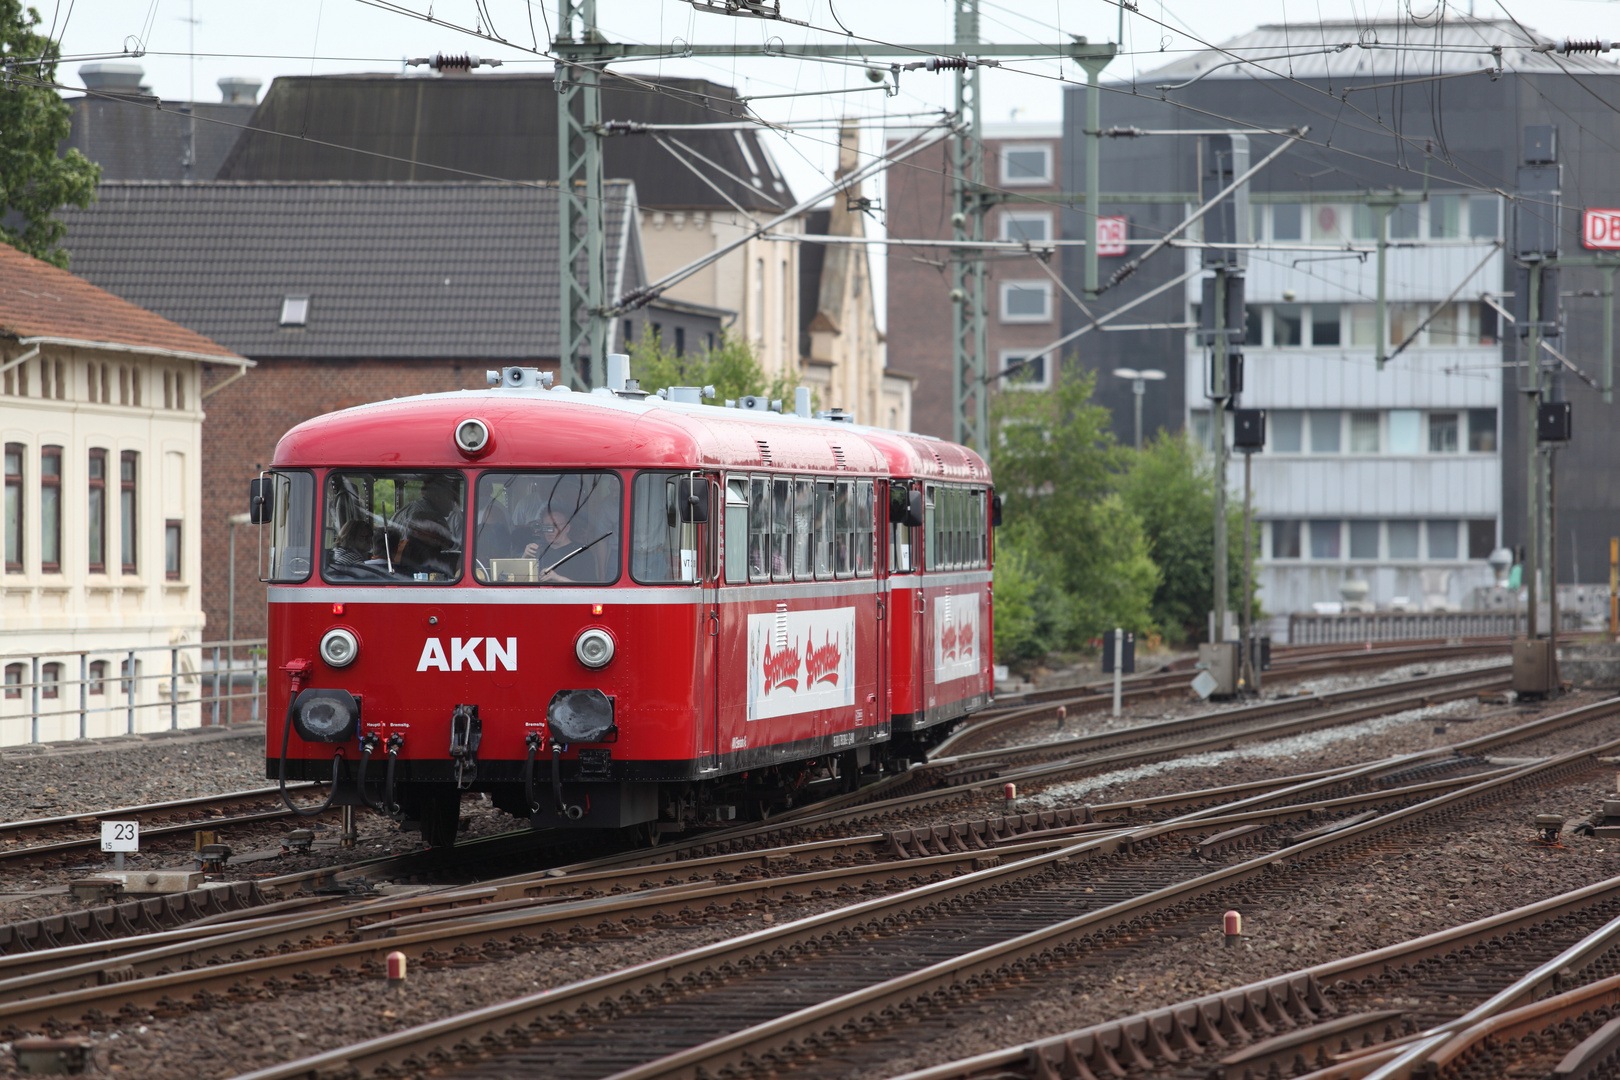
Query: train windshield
[[547, 529], [394, 526], [292, 525]]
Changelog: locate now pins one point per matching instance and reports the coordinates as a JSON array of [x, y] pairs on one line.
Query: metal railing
[[216, 670], [1314, 629]]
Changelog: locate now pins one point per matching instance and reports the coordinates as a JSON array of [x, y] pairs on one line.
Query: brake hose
[[368, 743], [281, 773]]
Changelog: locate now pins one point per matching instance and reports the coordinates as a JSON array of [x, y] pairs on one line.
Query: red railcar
[[611, 610]]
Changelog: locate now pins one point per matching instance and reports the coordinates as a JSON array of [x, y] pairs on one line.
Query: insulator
[[948, 63], [1584, 45], [454, 62]]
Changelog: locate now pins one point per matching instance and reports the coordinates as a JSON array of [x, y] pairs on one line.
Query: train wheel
[[440, 814]]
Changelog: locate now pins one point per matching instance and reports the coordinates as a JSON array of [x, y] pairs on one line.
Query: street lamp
[[1139, 381]]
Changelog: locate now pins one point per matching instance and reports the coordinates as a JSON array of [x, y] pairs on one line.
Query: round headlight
[[339, 648], [472, 436], [594, 648]]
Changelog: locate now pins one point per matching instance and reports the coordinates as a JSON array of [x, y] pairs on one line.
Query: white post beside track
[[1119, 664]]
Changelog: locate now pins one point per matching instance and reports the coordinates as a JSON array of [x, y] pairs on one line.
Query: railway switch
[[211, 858]]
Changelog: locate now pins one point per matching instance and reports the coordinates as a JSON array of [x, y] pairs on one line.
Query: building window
[[50, 680], [1026, 302], [295, 311], [1364, 432], [1481, 538], [1286, 323], [1325, 431], [1482, 431], [1364, 539], [1405, 222], [1024, 372], [1403, 540], [680, 341], [1285, 539], [98, 677], [14, 507], [1405, 431], [97, 516], [1285, 222], [50, 509], [1027, 165], [1442, 433], [1285, 431], [14, 678], [1324, 324], [1034, 226], [1442, 539], [180, 390], [1325, 539], [171, 550], [128, 464]]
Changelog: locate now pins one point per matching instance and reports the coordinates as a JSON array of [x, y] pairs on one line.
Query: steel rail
[[12, 832], [1143, 1037], [451, 1037], [966, 974]]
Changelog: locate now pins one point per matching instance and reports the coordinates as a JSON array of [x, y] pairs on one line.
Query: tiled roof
[[414, 270], [142, 138], [502, 127], [39, 301]]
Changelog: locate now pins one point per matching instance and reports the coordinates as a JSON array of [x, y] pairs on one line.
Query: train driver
[[431, 526]]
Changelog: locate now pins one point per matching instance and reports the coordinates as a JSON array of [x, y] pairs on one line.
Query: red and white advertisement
[[1112, 232], [956, 637], [800, 661], [1601, 229]]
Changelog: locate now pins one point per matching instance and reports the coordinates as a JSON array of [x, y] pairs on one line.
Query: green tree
[[34, 181], [1170, 489], [1058, 469], [730, 367]]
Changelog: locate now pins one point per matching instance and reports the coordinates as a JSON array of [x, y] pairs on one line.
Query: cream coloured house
[[101, 420]]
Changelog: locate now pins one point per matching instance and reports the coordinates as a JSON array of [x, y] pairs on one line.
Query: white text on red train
[[465, 651]]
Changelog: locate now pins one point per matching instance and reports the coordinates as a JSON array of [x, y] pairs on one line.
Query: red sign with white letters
[[1601, 229], [1112, 232]]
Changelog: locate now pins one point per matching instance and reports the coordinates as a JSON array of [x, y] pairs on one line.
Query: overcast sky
[[193, 43]]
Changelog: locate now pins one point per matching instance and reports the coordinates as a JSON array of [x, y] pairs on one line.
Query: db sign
[[1602, 229], [1112, 232]]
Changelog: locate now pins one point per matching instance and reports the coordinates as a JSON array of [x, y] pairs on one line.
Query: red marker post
[[1232, 924], [1062, 714], [397, 963]]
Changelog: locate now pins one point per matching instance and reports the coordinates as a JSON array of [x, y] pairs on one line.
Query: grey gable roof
[[393, 271], [143, 138], [498, 126]]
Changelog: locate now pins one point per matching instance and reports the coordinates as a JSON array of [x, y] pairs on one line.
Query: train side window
[[931, 527], [824, 530], [804, 511], [902, 539], [737, 529], [976, 524], [781, 528], [559, 529], [759, 528], [663, 549], [864, 528], [960, 509], [845, 524]]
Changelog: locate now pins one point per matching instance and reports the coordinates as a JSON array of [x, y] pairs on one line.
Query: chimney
[[114, 78], [240, 90]]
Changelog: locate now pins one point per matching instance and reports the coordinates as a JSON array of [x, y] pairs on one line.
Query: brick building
[[343, 293], [1023, 162]]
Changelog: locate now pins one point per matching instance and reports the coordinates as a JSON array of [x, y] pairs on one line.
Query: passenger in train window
[[547, 528], [354, 543]]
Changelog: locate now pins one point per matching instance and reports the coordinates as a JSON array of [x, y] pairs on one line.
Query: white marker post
[[119, 837], [1119, 664]]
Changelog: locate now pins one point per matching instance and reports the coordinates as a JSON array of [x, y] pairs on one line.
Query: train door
[[926, 690]]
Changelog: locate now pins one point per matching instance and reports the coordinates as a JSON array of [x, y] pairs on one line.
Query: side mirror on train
[[692, 495], [259, 500], [995, 511]]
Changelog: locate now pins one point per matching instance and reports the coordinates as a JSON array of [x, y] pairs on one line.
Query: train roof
[[533, 427]]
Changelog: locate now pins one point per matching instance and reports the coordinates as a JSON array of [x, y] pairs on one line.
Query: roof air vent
[[764, 451], [838, 455]]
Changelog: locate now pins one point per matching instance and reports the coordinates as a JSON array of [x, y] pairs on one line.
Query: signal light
[[337, 609], [596, 609]]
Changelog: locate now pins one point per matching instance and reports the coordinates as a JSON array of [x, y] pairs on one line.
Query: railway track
[[1013, 902]]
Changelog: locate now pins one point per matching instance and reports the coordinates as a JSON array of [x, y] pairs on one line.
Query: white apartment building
[[1393, 477], [101, 421]]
